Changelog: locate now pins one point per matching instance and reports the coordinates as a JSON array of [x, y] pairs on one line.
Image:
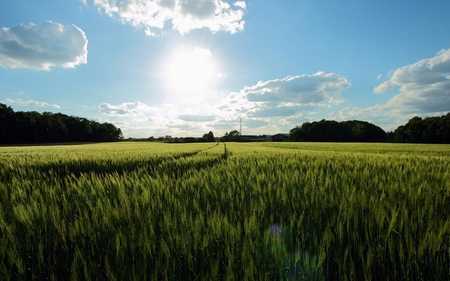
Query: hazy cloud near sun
[[197, 118], [183, 15], [424, 86], [42, 46], [278, 105], [269, 105], [281, 111]]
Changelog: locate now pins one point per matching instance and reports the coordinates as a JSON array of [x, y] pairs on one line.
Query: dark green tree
[[33, 127], [210, 137], [428, 130], [6, 122], [443, 133], [332, 131], [231, 136]]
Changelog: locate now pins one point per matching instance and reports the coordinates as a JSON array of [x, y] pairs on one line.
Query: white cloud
[[300, 89], [181, 15], [383, 87], [274, 112], [140, 120], [424, 90], [127, 108], [336, 99], [424, 86], [43, 46], [280, 111], [388, 116], [240, 4], [197, 118], [378, 115], [29, 103], [199, 9], [254, 123], [379, 76]]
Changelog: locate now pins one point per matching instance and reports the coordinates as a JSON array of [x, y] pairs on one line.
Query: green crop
[[244, 211]]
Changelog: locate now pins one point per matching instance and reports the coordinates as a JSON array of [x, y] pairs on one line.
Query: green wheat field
[[234, 211]]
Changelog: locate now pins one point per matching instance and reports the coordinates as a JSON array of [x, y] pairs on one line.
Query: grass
[[250, 211]]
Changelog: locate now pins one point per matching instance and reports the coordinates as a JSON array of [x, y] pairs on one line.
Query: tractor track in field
[[180, 172], [170, 165]]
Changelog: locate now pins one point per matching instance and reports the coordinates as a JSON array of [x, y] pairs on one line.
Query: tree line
[[427, 130], [34, 127], [417, 130], [332, 131]]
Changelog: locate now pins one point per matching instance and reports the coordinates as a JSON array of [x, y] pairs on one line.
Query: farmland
[[244, 211]]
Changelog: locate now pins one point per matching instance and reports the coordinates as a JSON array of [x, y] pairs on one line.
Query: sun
[[190, 71]]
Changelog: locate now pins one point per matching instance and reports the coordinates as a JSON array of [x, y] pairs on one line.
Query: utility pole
[[240, 126]]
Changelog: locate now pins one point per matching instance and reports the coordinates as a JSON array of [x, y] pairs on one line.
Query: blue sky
[[187, 67]]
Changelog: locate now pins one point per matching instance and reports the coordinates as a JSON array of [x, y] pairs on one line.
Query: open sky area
[[187, 67]]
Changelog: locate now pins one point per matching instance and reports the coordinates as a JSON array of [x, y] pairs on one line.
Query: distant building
[[253, 138], [280, 137]]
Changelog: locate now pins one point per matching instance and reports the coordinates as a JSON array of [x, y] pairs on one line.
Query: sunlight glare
[[190, 71]]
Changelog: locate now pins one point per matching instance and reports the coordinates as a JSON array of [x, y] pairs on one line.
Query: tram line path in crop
[[234, 211], [57, 165]]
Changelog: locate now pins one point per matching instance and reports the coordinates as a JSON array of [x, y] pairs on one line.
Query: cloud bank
[[424, 86], [42, 47], [291, 95], [180, 15], [272, 106], [423, 90]]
